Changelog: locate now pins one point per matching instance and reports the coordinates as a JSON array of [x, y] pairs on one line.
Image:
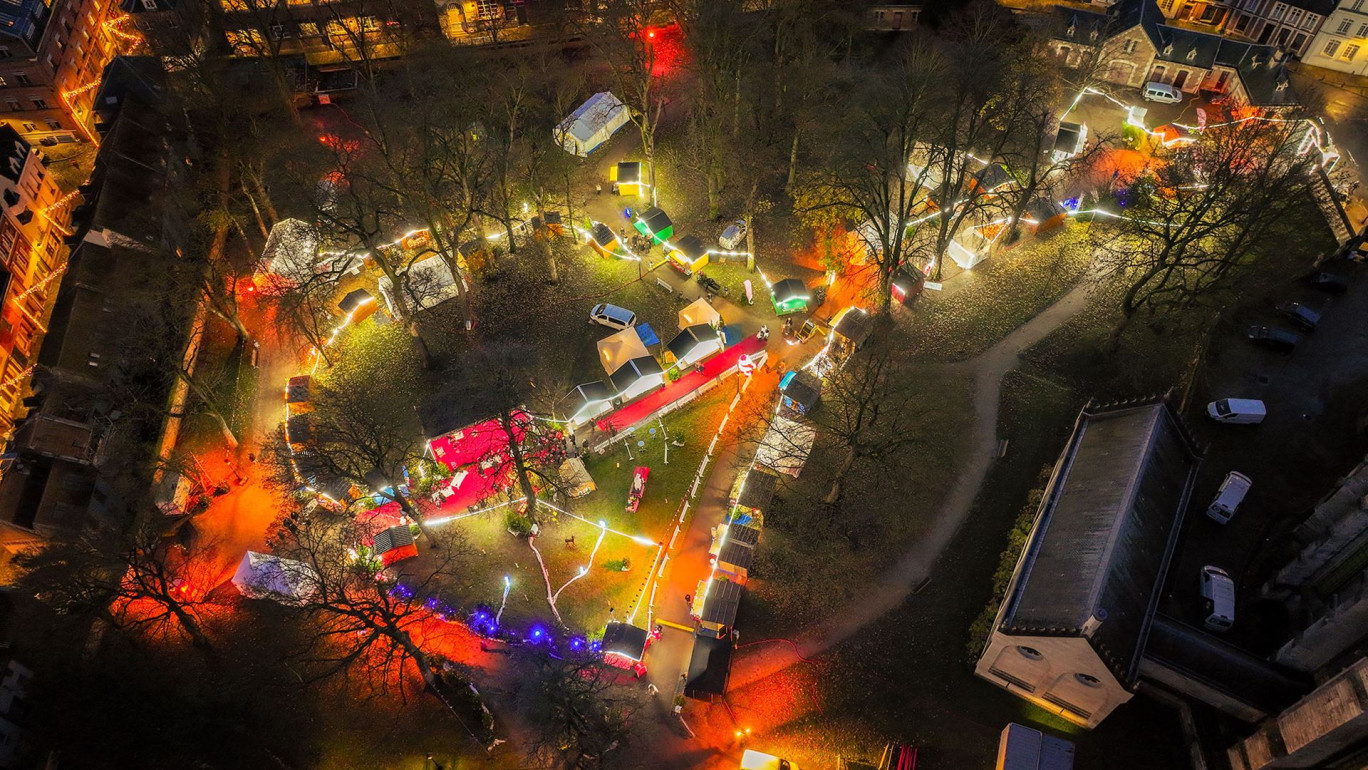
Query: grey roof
[[588, 393], [709, 666], [593, 115], [738, 554], [691, 246], [804, 389], [635, 369], [743, 533], [624, 639], [1095, 561], [790, 288], [1223, 667], [691, 337], [724, 598], [855, 325], [629, 172], [757, 491], [1067, 137], [656, 220]]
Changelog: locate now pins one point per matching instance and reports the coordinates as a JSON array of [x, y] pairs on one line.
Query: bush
[[618, 565], [518, 524], [1016, 542]]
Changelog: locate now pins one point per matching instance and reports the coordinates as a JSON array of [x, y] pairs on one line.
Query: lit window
[[1350, 52], [1363, 30]]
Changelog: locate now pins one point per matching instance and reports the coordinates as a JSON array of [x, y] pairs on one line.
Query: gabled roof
[[691, 246], [592, 116], [629, 172], [1096, 558], [743, 533], [737, 554], [721, 603], [588, 393], [656, 220], [757, 491], [624, 639], [790, 289], [691, 338], [634, 371]]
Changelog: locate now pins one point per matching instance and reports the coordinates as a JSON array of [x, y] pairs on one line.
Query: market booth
[[395, 544], [689, 255], [626, 179], [603, 240], [694, 344], [699, 312], [637, 377], [586, 402], [624, 646], [907, 285], [733, 551], [655, 224], [358, 305], [789, 296], [576, 478], [428, 283], [753, 498], [1044, 214], [709, 667], [266, 576], [715, 604], [591, 124], [785, 446], [852, 328], [799, 393]]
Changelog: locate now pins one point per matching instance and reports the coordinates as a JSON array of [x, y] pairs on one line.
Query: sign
[[933, 285]]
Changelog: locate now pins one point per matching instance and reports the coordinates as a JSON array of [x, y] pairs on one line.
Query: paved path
[[987, 370]]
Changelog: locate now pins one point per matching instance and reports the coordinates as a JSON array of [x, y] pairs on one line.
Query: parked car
[[612, 316], [1300, 315], [1237, 411], [733, 235], [1273, 338], [1327, 282], [1228, 498], [1219, 591], [1162, 92]]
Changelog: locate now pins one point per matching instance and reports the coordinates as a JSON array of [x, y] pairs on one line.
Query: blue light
[[1072, 204], [783, 383]]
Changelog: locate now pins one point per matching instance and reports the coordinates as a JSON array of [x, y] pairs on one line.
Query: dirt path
[[914, 568]]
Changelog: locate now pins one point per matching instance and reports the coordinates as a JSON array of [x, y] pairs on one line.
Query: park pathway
[[986, 370]]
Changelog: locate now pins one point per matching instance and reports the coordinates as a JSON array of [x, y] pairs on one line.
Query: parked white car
[[1229, 497], [1219, 591], [612, 316], [1237, 411], [1162, 92], [733, 236]]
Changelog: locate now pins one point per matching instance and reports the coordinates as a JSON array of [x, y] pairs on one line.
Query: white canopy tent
[[265, 576], [786, 446], [618, 349], [591, 124], [291, 249], [427, 284], [699, 312]]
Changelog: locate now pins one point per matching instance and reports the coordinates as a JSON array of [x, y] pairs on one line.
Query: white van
[[1162, 92], [1229, 497], [1237, 411], [1219, 591], [612, 316]]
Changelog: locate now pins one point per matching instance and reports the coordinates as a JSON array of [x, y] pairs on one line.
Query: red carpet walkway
[[637, 411]]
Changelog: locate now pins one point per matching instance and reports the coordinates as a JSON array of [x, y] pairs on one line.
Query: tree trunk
[[210, 404], [191, 626], [714, 200], [833, 496], [552, 268], [256, 211], [793, 163], [520, 466]]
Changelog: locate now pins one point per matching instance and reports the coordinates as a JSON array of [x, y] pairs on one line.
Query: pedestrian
[[251, 457], [598, 189], [688, 599]]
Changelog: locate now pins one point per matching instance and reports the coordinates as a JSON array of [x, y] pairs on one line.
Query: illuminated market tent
[[637, 377], [627, 177], [753, 498], [358, 305], [587, 401], [591, 124], [694, 344], [266, 576], [699, 312], [969, 247], [907, 285], [576, 478], [720, 599], [689, 255], [428, 283], [655, 224], [624, 646], [603, 240], [291, 249], [789, 295], [992, 177], [852, 327], [785, 446], [1045, 214], [733, 551], [709, 667], [395, 544], [617, 349]]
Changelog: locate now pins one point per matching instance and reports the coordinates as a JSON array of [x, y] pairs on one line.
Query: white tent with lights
[[618, 349], [291, 249], [266, 576], [428, 283], [591, 124], [785, 446], [699, 312]]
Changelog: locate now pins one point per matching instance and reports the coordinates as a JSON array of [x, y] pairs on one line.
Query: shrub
[[518, 524], [1016, 542]]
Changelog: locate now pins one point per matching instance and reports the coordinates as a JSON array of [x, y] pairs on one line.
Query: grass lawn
[[981, 306], [813, 560], [585, 603]]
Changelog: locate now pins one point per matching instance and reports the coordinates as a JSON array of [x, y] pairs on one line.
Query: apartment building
[[32, 257], [1287, 24], [51, 55], [1342, 43]]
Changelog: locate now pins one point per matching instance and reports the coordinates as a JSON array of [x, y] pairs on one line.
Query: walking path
[[987, 370]]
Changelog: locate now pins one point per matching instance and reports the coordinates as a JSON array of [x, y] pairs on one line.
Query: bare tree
[[1191, 227], [577, 713], [625, 40]]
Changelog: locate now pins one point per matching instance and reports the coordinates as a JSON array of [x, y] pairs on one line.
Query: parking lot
[[1316, 397]]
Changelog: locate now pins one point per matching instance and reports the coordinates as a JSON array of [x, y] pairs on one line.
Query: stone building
[[1342, 42]]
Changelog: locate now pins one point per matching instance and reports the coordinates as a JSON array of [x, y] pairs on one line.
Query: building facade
[[32, 258], [1290, 25], [51, 58], [1342, 43]]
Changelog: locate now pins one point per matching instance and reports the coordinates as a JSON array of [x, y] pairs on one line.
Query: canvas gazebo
[[699, 312], [617, 349], [591, 124], [694, 344], [266, 576]]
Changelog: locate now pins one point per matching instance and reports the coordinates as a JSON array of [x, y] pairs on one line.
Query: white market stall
[[637, 378], [786, 446], [266, 576], [694, 344], [591, 124], [427, 284]]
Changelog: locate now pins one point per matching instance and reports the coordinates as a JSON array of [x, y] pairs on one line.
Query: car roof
[[613, 311]]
